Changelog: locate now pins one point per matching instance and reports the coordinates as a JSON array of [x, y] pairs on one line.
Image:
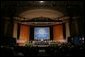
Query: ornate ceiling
[[17, 7], [26, 10]]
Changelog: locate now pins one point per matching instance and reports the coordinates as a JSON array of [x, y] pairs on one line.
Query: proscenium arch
[[34, 13]]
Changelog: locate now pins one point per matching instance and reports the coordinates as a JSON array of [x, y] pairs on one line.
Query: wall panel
[[58, 32], [24, 34]]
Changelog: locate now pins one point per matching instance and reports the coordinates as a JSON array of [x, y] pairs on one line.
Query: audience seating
[[61, 50]]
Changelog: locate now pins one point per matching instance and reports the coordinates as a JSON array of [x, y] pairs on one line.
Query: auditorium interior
[[42, 28]]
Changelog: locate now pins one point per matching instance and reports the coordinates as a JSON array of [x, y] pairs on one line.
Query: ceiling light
[[41, 1]]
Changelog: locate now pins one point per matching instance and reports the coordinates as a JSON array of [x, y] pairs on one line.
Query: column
[[15, 30], [67, 30]]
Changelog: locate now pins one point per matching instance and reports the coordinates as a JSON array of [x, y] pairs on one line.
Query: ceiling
[[34, 13], [15, 8], [25, 10]]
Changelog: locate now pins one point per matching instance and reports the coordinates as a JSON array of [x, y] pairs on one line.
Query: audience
[[54, 49]]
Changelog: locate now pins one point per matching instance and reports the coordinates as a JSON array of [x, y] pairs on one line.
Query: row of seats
[[61, 50]]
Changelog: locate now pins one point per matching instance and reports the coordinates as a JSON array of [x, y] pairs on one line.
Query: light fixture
[[41, 1]]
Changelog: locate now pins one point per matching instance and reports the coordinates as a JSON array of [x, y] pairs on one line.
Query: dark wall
[[77, 26], [1, 29]]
